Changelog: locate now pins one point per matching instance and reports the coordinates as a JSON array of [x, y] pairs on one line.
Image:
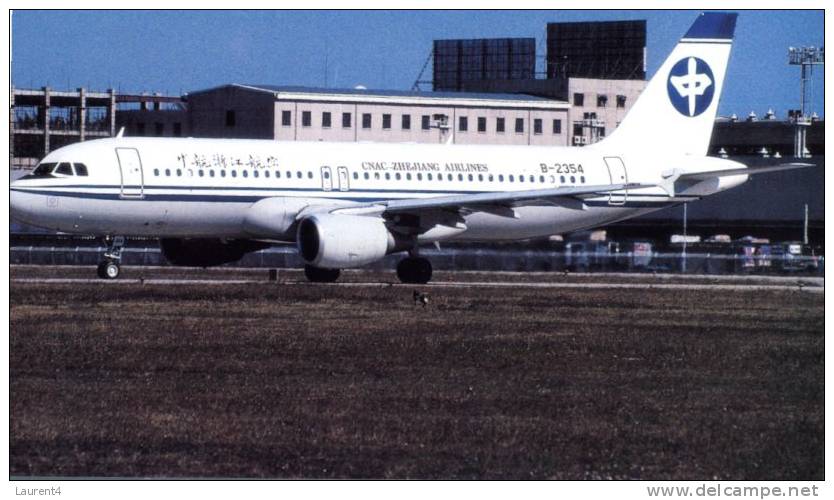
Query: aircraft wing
[[485, 201]]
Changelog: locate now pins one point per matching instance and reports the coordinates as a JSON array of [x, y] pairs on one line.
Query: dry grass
[[316, 381]]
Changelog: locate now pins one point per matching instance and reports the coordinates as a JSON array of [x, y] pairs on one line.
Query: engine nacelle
[[338, 241], [206, 252]]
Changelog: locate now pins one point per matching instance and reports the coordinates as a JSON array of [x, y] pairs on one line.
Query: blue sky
[[180, 51]]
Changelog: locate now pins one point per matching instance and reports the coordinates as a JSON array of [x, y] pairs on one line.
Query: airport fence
[[473, 259]]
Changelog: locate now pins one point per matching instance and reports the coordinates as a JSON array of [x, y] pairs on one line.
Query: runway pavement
[[797, 285]]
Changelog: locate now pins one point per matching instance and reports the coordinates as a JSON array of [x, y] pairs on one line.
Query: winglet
[[714, 26]]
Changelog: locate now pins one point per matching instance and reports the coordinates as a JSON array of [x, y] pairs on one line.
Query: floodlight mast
[[806, 58]]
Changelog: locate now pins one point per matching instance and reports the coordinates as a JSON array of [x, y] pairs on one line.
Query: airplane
[[345, 205]]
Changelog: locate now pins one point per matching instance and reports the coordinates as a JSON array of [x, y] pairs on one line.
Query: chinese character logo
[[690, 86]]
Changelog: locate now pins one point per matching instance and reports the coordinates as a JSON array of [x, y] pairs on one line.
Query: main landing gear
[[414, 270], [320, 274], [109, 267]]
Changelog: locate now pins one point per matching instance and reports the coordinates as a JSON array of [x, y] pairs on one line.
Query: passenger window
[[367, 176], [298, 174], [541, 179], [582, 179], [255, 173], [245, 173], [460, 177], [471, 177], [428, 176], [562, 179], [376, 175], [398, 176], [572, 179], [419, 177], [222, 173], [211, 173], [309, 175], [64, 169], [81, 169], [387, 176], [481, 177], [408, 177], [234, 173], [491, 178], [156, 172], [179, 173], [200, 173], [512, 179], [266, 174], [167, 172]]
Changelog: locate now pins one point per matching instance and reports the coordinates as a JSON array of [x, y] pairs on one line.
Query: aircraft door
[[326, 179], [617, 173], [130, 166], [344, 181]]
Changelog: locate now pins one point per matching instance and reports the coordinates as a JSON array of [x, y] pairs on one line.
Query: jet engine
[[206, 252], [338, 241]]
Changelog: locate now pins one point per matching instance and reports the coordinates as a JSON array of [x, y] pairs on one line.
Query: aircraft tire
[[321, 275], [108, 270], [416, 270]]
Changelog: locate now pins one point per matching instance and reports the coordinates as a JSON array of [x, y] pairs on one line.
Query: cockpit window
[[64, 169], [81, 169], [43, 170]]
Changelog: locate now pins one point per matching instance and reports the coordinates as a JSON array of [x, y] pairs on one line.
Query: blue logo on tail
[[691, 86]]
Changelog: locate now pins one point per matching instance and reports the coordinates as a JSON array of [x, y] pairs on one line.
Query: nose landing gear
[[414, 270], [109, 268]]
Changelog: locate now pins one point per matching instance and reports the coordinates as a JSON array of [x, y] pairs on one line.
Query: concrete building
[[41, 120], [310, 114], [598, 106]]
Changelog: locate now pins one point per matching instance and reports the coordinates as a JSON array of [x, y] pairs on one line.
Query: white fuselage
[[205, 187]]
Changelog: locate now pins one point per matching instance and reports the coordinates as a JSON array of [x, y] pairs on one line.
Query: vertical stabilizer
[[676, 111]]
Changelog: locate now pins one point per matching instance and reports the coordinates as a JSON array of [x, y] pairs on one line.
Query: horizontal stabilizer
[[701, 176]]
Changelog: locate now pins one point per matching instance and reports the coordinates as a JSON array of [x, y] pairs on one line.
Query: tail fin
[[676, 111]]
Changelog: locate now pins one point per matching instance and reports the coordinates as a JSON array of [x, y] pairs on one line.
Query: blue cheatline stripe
[[662, 199], [713, 25]]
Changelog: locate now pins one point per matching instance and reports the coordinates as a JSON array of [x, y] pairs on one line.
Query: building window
[[601, 132], [519, 125], [230, 118], [366, 120], [159, 129], [306, 118], [537, 126], [386, 121], [577, 130], [481, 124], [406, 122], [499, 125], [463, 124], [286, 118], [578, 99], [325, 119], [621, 101], [557, 126], [602, 100], [425, 122], [347, 120], [177, 129]]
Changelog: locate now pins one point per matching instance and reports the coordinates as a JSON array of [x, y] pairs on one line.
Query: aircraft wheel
[[321, 275], [415, 270], [108, 270]]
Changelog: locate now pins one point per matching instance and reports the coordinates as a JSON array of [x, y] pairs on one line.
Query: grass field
[[302, 381]]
